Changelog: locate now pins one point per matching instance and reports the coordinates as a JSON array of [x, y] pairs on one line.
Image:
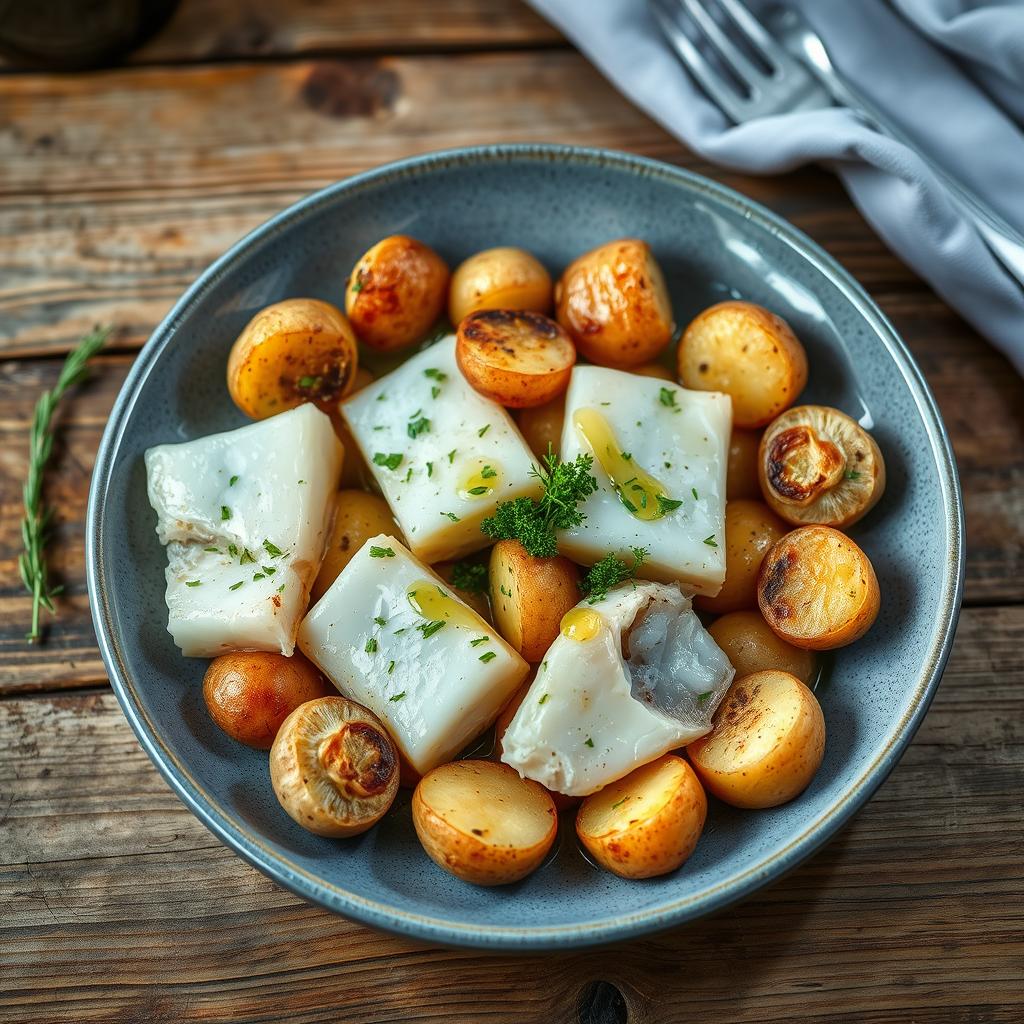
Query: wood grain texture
[[914, 913], [225, 29]]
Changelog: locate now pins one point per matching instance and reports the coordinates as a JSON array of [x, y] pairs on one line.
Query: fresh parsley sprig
[[535, 523], [470, 577], [35, 527], [609, 573]]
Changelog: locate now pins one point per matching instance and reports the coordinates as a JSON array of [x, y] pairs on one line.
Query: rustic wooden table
[[116, 189]]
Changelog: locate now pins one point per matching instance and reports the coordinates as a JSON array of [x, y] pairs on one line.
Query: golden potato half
[[501, 278], [614, 303], [515, 358], [817, 589], [396, 292], [741, 479], [299, 350], [647, 823], [751, 645], [529, 596], [766, 742], [750, 354], [817, 465], [541, 426], [334, 767], [482, 822]]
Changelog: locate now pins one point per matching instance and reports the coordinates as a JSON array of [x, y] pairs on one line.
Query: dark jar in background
[[76, 34]]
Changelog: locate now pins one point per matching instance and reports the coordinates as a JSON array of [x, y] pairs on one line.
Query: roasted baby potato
[[766, 742], [647, 823], [501, 723], [517, 359], [657, 370], [741, 476], [529, 596], [817, 465], [817, 589], [751, 528], [396, 292], [299, 350], [614, 304], [334, 767], [482, 822], [358, 516], [541, 426], [750, 354], [249, 694], [751, 646], [502, 278]]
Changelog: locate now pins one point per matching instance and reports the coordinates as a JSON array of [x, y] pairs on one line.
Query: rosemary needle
[[35, 526]]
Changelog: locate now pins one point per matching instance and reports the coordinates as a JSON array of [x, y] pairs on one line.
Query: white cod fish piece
[[593, 713], [443, 455], [393, 636], [678, 436], [244, 515]]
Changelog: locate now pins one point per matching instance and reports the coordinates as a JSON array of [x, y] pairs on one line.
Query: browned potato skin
[[614, 304], [283, 345], [817, 555], [658, 843], [501, 723], [749, 353], [751, 528], [358, 516], [751, 646], [466, 856], [795, 753], [518, 359], [541, 426], [354, 471], [501, 278], [741, 477], [396, 292], [250, 694], [538, 592]]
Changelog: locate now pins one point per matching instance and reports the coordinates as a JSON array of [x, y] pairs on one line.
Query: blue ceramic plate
[[557, 202]]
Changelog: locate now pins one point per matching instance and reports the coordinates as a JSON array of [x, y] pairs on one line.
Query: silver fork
[[792, 84]]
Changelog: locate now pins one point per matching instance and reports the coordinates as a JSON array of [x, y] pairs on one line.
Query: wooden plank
[[117, 189], [117, 904], [203, 30]]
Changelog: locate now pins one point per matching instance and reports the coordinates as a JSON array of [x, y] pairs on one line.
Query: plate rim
[[244, 841]]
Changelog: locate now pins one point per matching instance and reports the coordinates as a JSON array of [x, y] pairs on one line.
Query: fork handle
[[1002, 239]]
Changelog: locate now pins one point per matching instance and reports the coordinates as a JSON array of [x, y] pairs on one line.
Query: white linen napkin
[[950, 71]]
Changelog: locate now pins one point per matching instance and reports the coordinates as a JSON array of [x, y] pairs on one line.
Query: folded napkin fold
[[950, 71]]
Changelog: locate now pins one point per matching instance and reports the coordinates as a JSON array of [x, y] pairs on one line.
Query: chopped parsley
[[358, 283], [408, 475], [609, 573], [397, 696], [488, 656], [666, 505], [451, 456], [309, 383], [391, 667], [272, 549], [215, 551], [233, 550], [477, 491], [430, 628], [246, 557], [435, 391], [233, 481], [268, 569], [619, 803], [711, 542], [380, 621], [371, 645], [470, 576], [235, 586], [418, 426], [478, 641], [430, 469], [589, 741], [852, 475], [628, 456], [435, 374], [280, 589], [382, 396], [703, 698], [193, 583], [452, 516], [696, 496], [376, 552], [506, 593], [667, 397], [488, 472], [534, 523], [258, 576], [389, 460], [543, 698], [225, 513]]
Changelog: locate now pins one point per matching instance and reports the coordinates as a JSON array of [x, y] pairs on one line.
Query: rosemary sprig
[[35, 527]]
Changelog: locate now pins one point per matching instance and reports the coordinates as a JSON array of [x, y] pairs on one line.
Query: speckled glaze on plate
[[557, 202]]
